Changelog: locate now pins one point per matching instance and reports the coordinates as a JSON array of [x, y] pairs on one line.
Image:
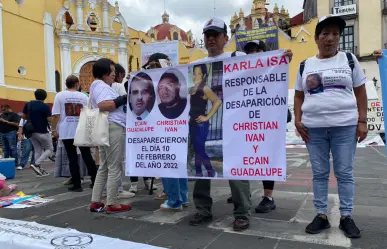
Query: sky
[[190, 14]]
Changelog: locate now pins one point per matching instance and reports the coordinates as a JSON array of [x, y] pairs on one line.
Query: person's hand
[[20, 137], [201, 119], [302, 131], [289, 54], [55, 134], [362, 131], [3, 120], [378, 54]]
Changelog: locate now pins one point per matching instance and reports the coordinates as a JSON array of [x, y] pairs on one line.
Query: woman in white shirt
[[103, 96], [330, 106]]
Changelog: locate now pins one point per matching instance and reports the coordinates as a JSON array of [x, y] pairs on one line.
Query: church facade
[[42, 42]]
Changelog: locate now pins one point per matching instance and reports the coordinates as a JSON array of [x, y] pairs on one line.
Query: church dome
[[168, 31]]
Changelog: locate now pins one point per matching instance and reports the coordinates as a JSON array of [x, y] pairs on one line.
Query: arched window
[[69, 20], [175, 36], [57, 81], [152, 36], [260, 22]]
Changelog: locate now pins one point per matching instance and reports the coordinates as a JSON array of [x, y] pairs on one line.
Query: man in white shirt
[[66, 111]]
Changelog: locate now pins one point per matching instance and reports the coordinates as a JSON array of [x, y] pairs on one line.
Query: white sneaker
[[125, 195], [133, 188], [19, 168], [165, 206], [148, 184]]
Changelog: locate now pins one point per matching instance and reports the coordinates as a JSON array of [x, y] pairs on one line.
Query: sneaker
[[165, 206], [199, 219], [75, 189], [267, 205], [52, 158], [36, 169], [148, 184], [229, 199], [19, 168], [133, 188], [241, 223], [185, 204], [68, 182], [97, 207], [125, 195], [44, 173], [122, 208], [317, 225], [349, 227]]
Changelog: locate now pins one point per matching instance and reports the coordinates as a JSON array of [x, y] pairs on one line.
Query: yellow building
[[42, 42], [366, 29]]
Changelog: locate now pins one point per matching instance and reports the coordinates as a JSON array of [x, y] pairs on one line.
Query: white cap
[[215, 24]]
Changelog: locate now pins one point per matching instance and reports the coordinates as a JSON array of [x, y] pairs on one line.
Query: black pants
[[135, 178], [71, 151], [268, 185]]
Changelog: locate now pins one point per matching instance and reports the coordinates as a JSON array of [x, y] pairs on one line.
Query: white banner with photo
[[375, 119], [170, 48], [222, 119], [16, 234]]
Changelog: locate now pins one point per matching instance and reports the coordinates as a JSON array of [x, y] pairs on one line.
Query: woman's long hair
[[204, 70]]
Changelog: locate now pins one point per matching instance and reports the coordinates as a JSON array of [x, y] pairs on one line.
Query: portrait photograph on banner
[[157, 129], [205, 155]]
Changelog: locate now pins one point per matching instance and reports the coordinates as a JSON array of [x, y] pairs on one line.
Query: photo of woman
[[200, 94]]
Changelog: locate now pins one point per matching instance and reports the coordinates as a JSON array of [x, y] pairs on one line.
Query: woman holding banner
[[104, 97], [332, 120], [199, 124]]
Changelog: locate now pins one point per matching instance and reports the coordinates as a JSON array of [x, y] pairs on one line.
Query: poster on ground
[[17, 234], [170, 48], [269, 35], [221, 119]]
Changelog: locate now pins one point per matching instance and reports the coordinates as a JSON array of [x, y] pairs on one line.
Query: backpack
[[351, 63]]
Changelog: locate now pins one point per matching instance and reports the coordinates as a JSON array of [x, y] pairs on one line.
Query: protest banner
[[269, 35], [383, 77], [172, 106], [17, 234], [170, 48]]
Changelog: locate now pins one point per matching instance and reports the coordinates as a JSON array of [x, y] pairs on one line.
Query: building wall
[[370, 26], [323, 7], [23, 41]]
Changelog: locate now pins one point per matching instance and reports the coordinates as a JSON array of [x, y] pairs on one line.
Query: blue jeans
[[9, 145], [176, 190], [26, 151], [341, 141], [198, 133]]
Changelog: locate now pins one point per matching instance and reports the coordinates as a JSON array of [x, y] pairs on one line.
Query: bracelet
[[363, 122]]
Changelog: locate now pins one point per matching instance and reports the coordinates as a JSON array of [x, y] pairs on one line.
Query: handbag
[[28, 127], [93, 127]]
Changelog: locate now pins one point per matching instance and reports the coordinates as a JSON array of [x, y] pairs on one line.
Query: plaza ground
[[281, 229]]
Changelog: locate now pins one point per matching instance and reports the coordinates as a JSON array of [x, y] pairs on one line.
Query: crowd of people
[[330, 108]]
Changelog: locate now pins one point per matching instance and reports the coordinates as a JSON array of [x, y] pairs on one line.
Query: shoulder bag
[[93, 127]]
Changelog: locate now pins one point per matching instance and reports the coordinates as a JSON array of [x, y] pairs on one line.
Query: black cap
[[155, 58], [261, 45]]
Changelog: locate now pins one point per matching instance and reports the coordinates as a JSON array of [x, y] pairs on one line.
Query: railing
[[216, 122]]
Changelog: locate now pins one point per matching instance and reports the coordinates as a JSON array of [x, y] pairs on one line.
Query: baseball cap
[[158, 58], [215, 24], [330, 19], [261, 45]]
